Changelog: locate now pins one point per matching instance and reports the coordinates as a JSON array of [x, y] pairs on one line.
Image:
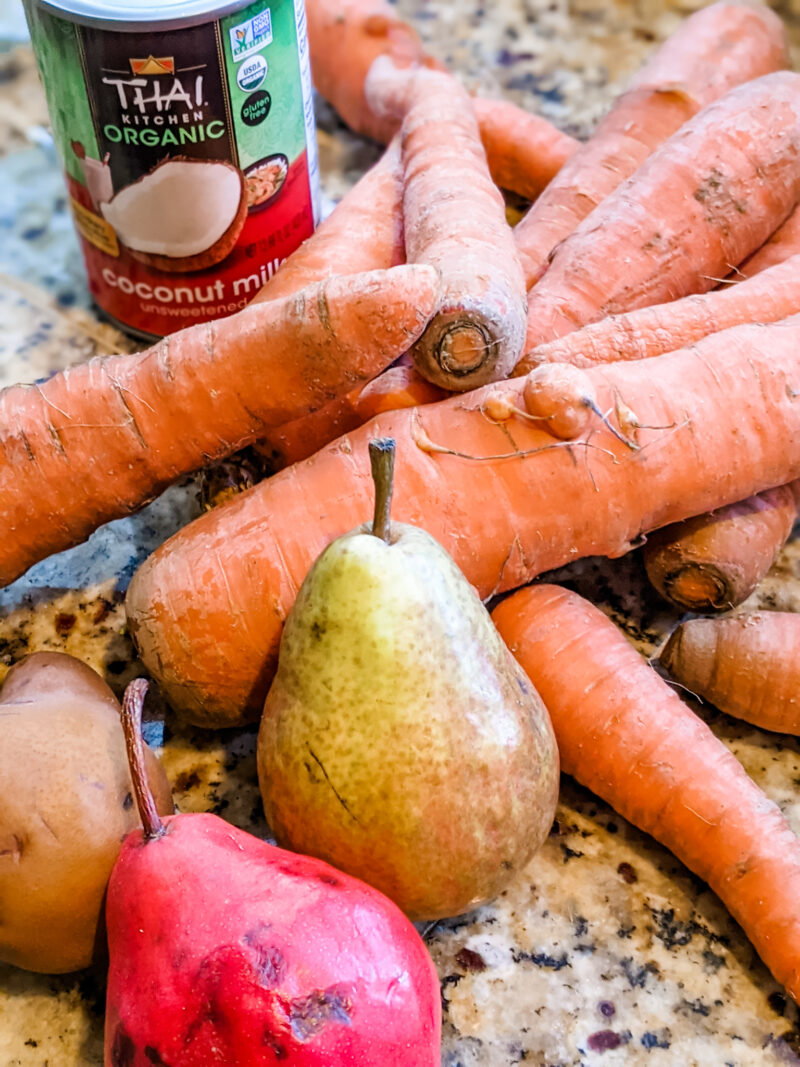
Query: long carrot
[[748, 665], [454, 219], [625, 735], [767, 296], [363, 232], [100, 439], [346, 36], [713, 50], [701, 203], [713, 562], [719, 422]]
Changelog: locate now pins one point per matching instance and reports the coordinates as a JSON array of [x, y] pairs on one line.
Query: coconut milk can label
[[190, 159]]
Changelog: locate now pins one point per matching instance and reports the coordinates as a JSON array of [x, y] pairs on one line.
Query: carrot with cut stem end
[[747, 665], [454, 219], [768, 296], [100, 439], [699, 205], [718, 422], [363, 232], [713, 50], [713, 562], [625, 735], [347, 36]]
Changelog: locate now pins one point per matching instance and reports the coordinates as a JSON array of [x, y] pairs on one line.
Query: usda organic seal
[[252, 73]]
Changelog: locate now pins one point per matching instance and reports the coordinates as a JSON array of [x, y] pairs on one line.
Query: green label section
[[260, 49], [55, 44]]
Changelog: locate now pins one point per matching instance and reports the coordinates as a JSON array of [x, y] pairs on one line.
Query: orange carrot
[[363, 232], [100, 439], [699, 205], [748, 665], [625, 735], [397, 387], [454, 219], [346, 36], [718, 422], [713, 562], [783, 244], [768, 296], [713, 50]]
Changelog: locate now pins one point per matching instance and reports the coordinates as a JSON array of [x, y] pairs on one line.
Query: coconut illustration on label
[[184, 215]]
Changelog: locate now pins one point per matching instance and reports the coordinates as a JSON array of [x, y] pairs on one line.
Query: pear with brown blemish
[[400, 740], [66, 802]]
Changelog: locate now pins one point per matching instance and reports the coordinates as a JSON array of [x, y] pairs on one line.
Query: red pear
[[227, 950]]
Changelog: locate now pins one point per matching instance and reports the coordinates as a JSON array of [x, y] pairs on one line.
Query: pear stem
[[381, 458], [131, 717]]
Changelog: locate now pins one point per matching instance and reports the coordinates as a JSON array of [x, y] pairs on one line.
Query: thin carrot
[[717, 422], [395, 388], [783, 245], [346, 36], [363, 232], [100, 439], [767, 296], [713, 50], [699, 205], [454, 219], [713, 562], [748, 665], [625, 735]]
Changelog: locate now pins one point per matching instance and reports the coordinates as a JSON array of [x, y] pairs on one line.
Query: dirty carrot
[[454, 219], [701, 203], [713, 50], [625, 735], [747, 665], [767, 296], [346, 36], [100, 439], [713, 562], [363, 232], [718, 422]]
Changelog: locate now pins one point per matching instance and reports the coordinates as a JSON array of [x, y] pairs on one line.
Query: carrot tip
[[463, 348]]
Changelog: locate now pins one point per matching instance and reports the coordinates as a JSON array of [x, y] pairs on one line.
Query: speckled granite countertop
[[606, 951]]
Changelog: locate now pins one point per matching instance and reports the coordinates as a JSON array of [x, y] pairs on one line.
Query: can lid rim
[[134, 15]]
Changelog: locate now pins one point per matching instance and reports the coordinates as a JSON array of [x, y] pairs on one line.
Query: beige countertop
[[606, 951]]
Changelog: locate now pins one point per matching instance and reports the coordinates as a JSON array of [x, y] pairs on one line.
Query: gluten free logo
[[249, 36]]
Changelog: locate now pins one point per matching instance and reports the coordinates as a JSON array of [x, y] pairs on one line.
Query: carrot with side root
[[713, 562], [716, 423], [747, 665], [454, 219], [100, 439], [625, 735], [713, 50], [701, 203], [346, 37], [767, 296]]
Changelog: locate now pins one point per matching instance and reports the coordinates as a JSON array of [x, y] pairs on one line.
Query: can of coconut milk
[[186, 131]]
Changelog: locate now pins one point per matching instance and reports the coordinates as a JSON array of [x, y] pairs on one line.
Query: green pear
[[400, 740]]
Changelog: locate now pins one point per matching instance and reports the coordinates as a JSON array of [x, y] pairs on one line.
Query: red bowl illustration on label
[[264, 180]]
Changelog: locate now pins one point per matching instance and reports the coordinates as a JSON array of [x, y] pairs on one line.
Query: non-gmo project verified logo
[[249, 36]]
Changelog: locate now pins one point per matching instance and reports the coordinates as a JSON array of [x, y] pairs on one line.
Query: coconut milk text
[[189, 152]]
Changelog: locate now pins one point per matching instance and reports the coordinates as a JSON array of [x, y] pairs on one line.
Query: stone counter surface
[[606, 951]]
